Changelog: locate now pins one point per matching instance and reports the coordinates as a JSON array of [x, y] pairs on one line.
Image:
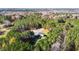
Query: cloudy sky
[[39, 3]]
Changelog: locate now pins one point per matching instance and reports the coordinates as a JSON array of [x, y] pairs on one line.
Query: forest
[[34, 33]]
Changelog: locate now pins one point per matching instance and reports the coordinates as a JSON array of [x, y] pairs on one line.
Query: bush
[[18, 41], [26, 36], [42, 44], [1, 19], [72, 39], [26, 24], [61, 21], [45, 42]]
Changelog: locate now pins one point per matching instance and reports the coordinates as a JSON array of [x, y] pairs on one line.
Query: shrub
[[26, 24], [61, 20], [72, 39], [1, 19], [45, 42]]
